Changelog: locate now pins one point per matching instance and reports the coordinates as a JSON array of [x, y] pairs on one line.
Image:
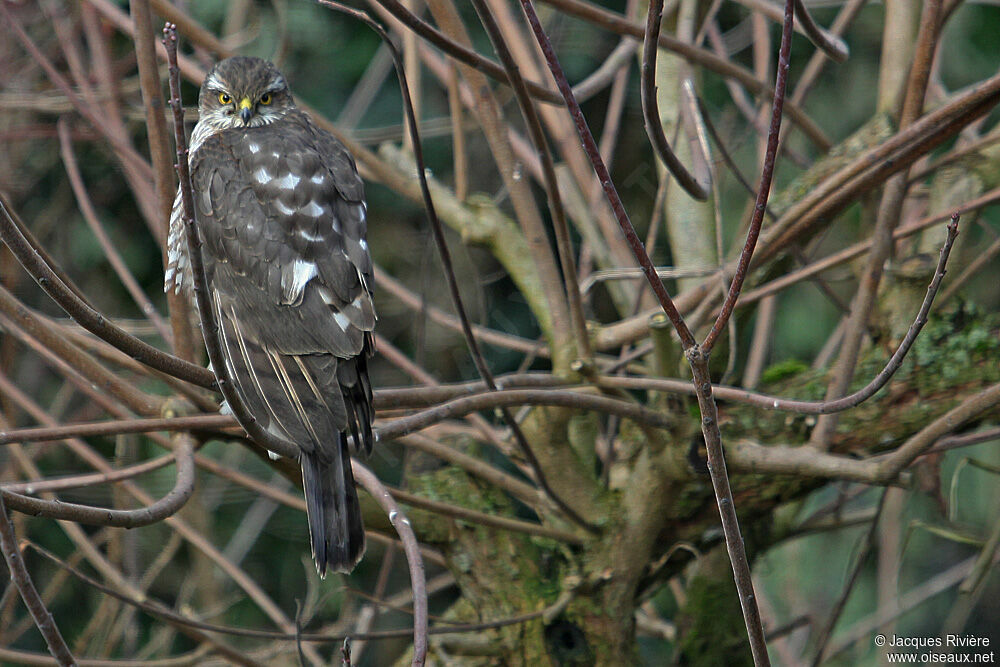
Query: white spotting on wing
[[342, 320], [288, 181], [308, 236], [283, 208], [262, 175], [254, 148], [313, 209], [302, 272]]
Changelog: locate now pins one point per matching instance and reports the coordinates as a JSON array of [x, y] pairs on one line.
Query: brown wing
[[281, 213], [283, 224]]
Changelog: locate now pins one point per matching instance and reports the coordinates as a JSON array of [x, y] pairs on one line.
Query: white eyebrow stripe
[[213, 81]]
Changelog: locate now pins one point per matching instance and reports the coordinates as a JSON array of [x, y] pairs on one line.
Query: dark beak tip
[[245, 115]]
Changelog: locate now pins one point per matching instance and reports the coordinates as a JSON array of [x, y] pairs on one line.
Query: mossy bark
[[657, 499]]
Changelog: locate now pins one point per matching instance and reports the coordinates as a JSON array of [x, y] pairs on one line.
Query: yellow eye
[[225, 99], [265, 99]]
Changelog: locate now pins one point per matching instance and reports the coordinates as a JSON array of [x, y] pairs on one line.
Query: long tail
[[335, 529]]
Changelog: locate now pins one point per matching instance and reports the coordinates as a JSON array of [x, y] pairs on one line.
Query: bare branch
[[445, 254], [99, 516], [462, 53], [593, 152], [370, 483], [650, 112], [48, 279], [763, 189], [26, 587]]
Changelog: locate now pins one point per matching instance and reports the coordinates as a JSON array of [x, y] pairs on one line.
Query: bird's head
[[243, 92]]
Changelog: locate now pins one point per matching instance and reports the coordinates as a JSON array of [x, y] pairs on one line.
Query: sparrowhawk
[[280, 211]]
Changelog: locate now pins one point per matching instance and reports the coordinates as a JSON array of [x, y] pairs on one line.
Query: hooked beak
[[246, 110]]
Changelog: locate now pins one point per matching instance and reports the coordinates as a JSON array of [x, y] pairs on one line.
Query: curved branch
[[832, 45], [31, 258], [650, 109], [117, 427], [618, 24], [99, 516], [493, 399], [367, 479], [461, 53]]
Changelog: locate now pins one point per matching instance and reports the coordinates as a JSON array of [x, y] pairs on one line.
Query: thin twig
[[764, 187], [651, 112], [724, 499], [418, 583], [112, 254], [838, 607], [443, 251], [48, 279], [167, 506], [564, 245], [593, 152], [22, 581]]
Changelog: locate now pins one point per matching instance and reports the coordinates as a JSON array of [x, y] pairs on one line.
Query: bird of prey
[[280, 211]]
